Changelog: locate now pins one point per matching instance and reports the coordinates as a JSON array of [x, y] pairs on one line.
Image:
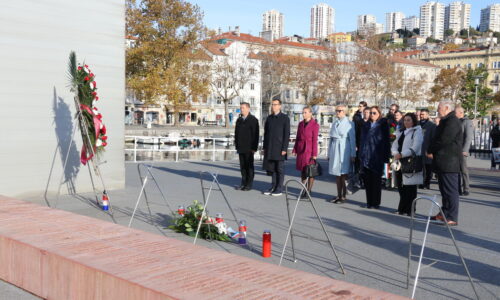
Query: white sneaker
[[276, 194]]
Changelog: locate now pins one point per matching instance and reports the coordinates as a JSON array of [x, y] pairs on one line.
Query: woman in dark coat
[[375, 151], [306, 144]]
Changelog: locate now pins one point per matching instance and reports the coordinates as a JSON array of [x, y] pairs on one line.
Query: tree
[[451, 46], [231, 73], [448, 84], [415, 89], [158, 66], [275, 65], [449, 32], [484, 94], [304, 74], [416, 31]]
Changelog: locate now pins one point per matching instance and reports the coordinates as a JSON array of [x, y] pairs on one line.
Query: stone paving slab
[[40, 254], [372, 244]]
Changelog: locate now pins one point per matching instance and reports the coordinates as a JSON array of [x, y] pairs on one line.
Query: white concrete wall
[[36, 37]]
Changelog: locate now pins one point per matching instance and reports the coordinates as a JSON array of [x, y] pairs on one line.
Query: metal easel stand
[[433, 203], [292, 218], [206, 198], [83, 125], [144, 181]]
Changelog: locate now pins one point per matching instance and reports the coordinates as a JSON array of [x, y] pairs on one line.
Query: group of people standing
[[362, 147]]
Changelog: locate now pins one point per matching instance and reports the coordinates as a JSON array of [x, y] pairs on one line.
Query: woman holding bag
[[408, 145], [306, 145], [342, 151]]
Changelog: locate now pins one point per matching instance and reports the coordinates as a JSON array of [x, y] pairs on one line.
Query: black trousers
[[277, 168], [407, 193], [448, 186], [427, 174], [247, 169], [373, 187]]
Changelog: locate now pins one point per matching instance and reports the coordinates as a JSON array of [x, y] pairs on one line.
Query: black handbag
[[313, 170], [412, 164]]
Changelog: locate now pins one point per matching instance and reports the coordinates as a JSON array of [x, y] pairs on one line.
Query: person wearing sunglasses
[[375, 150], [341, 151]]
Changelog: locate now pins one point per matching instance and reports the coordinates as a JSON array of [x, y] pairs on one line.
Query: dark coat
[[495, 136], [358, 125], [429, 130], [246, 134], [446, 147], [375, 147], [276, 136], [306, 143]]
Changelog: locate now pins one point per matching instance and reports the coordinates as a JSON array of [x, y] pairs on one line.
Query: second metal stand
[[206, 198], [149, 175], [303, 191], [433, 203]]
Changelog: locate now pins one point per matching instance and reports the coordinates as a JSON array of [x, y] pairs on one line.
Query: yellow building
[[339, 37], [469, 59]]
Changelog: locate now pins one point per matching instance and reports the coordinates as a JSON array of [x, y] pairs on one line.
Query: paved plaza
[[372, 244]]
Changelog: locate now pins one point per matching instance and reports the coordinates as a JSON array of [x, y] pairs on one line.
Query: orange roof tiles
[[416, 62]]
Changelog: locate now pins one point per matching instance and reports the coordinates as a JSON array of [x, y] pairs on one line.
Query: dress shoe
[[451, 223], [246, 188], [421, 186], [376, 206], [437, 217], [240, 187], [466, 193], [339, 201]]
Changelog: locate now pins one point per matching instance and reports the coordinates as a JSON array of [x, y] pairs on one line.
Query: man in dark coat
[[446, 152], [468, 132], [275, 146], [358, 125], [428, 129], [246, 141]]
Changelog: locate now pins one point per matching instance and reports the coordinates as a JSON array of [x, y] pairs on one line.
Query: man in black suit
[[428, 129], [446, 152], [246, 140], [276, 140], [358, 123]]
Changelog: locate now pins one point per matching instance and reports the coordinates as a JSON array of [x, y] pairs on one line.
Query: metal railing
[[178, 151], [481, 142]]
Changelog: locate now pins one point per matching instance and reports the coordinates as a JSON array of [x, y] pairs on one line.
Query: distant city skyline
[[248, 15]]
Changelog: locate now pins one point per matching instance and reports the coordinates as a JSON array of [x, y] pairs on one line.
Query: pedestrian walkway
[[372, 244]]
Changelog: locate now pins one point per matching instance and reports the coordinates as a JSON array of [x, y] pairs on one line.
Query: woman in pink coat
[[306, 144]]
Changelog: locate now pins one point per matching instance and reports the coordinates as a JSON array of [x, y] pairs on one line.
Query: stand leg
[[138, 200], [421, 253], [93, 186], [65, 163], [326, 234], [288, 234]]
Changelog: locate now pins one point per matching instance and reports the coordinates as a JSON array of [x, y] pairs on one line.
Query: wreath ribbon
[[85, 156]]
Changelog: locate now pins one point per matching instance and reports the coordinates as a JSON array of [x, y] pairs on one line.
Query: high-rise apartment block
[[411, 23], [457, 16], [490, 18], [322, 21], [432, 20], [393, 21], [274, 22]]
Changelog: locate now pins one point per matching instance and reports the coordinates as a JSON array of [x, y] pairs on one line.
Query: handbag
[[313, 170], [412, 164]]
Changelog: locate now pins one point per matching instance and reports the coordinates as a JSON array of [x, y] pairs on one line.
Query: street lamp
[[476, 83]]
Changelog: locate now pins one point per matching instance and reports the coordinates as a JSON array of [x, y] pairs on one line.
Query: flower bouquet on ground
[[82, 82], [211, 228]]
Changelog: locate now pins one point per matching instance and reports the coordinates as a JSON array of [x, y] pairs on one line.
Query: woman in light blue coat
[[341, 151]]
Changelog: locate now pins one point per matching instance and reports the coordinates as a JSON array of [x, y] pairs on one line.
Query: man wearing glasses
[[275, 146], [358, 120]]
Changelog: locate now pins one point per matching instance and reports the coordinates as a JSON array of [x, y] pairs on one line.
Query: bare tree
[[230, 75], [275, 64]]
